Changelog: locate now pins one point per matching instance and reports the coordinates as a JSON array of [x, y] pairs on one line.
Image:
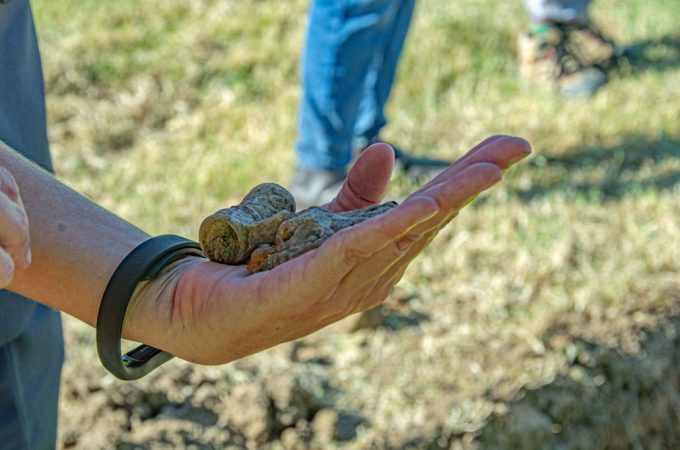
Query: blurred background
[[544, 317]]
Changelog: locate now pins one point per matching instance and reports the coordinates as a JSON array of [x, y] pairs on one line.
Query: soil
[[290, 398]]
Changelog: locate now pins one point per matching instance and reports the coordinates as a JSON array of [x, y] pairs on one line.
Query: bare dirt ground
[[291, 397]]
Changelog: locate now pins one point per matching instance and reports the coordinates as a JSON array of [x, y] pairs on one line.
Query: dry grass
[[166, 111]]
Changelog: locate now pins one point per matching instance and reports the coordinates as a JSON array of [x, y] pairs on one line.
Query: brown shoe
[[315, 187]]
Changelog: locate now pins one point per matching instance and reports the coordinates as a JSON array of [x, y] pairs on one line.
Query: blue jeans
[[350, 44], [348, 68], [30, 369]]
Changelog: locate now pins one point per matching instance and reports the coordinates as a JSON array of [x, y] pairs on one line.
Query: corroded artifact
[[306, 231], [265, 230], [230, 235]]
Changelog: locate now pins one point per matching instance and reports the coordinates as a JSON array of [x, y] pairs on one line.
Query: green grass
[[166, 111]]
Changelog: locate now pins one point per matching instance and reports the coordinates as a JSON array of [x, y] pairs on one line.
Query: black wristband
[[142, 263]]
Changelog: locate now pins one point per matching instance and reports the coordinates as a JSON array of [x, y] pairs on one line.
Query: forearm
[[76, 245]]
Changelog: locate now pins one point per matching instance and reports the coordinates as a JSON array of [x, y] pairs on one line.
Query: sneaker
[[418, 168], [312, 187], [570, 58]]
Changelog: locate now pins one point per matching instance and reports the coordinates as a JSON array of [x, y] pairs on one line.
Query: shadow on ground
[[658, 54], [608, 400], [637, 163]]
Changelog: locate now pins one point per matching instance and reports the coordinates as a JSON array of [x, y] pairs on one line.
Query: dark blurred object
[[573, 58]]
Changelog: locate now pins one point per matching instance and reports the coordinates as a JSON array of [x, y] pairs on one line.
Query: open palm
[[221, 313]]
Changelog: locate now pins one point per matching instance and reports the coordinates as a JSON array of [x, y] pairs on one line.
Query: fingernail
[[428, 212], [28, 258]]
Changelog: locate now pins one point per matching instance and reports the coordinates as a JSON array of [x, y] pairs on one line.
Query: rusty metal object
[[265, 231]]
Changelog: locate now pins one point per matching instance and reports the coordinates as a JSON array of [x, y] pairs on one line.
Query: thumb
[[367, 180]]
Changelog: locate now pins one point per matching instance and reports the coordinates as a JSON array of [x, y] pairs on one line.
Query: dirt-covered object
[[230, 235], [265, 230], [306, 231]]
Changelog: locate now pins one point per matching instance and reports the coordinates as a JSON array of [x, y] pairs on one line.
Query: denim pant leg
[[371, 117], [344, 37], [30, 370], [556, 10]]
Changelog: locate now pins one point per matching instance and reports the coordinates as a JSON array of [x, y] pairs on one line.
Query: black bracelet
[[142, 263]]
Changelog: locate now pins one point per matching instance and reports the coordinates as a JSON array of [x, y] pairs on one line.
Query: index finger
[[13, 220], [502, 151], [9, 186], [349, 247], [14, 230]]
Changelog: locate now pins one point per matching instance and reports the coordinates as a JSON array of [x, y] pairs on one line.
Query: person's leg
[[30, 370], [343, 38], [563, 49], [343, 41], [349, 64], [371, 117]]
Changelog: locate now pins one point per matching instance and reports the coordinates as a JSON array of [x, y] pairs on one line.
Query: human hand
[[368, 180], [215, 313], [458, 185], [14, 250]]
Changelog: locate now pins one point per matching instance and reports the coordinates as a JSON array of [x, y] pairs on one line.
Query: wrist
[[149, 316], [143, 263]]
